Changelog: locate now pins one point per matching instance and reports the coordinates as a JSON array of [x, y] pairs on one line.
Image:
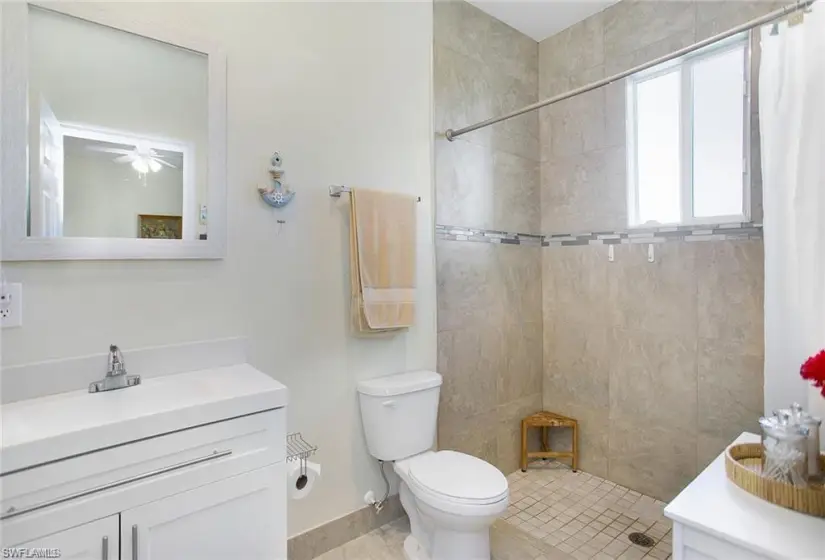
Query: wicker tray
[[743, 464]]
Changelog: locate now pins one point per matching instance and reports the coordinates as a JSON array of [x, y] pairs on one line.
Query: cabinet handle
[[134, 542], [105, 555], [109, 485]]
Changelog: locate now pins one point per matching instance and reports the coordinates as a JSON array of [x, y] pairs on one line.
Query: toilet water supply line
[[378, 506]]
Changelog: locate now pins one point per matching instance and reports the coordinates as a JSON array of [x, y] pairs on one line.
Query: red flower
[[814, 370]]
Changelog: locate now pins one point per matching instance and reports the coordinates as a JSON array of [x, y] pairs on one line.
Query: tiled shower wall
[[660, 362], [489, 295]]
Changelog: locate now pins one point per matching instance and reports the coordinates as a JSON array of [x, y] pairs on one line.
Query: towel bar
[[336, 190]]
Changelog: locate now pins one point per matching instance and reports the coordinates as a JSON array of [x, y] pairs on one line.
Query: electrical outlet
[[11, 305]]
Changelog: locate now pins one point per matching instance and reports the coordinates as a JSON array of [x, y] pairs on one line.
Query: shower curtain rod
[[781, 12]]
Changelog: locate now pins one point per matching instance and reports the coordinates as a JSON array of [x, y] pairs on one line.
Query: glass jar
[[784, 450]]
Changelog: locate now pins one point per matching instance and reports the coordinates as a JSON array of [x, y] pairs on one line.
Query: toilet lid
[[459, 476]]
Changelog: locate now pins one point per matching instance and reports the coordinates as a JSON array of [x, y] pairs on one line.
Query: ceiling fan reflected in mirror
[[142, 157]]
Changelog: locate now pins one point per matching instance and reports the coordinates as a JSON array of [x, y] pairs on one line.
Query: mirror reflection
[[117, 133]]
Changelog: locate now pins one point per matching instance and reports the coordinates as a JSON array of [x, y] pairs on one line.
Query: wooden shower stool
[[545, 420]]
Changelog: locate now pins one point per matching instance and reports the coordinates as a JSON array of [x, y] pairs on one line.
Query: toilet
[[451, 498]]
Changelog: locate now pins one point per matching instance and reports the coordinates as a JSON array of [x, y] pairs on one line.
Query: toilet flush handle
[[389, 403]]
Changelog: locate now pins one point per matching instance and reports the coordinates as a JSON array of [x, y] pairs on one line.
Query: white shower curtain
[[792, 115]]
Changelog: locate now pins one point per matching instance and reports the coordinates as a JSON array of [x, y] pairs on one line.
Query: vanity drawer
[[691, 544], [191, 457]]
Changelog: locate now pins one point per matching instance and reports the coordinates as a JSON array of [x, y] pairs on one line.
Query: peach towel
[[382, 260]]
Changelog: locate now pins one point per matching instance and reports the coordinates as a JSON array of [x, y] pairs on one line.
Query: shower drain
[[641, 539]]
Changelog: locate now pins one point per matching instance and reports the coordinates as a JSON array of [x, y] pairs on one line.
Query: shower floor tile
[[586, 516]]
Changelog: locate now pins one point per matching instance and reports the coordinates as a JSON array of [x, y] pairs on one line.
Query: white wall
[[343, 91], [103, 198]]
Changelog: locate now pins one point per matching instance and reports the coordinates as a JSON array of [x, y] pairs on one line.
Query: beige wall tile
[[521, 375], [757, 211], [467, 91], [654, 459], [464, 28], [508, 434], [657, 297], [490, 317], [615, 117], [593, 436], [470, 360], [731, 293], [576, 125], [484, 188], [551, 85], [653, 378], [468, 285], [464, 179], [519, 271], [708, 448], [584, 192], [634, 24], [714, 17], [619, 61], [576, 365], [516, 194], [730, 383], [474, 435], [489, 178], [462, 91], [549, 301], [565, 54], [576, 282]]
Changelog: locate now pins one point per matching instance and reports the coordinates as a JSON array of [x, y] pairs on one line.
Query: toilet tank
[[399, 413]]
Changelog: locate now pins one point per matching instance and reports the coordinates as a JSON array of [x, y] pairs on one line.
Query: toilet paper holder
[[299, 449]]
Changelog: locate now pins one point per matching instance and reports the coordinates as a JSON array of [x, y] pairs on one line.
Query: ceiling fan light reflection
[[154, 165], [140, 165]]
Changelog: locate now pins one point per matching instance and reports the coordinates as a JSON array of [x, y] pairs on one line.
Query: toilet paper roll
[[300, 484]]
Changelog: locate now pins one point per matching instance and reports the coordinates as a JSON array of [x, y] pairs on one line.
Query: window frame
[[685, 66]]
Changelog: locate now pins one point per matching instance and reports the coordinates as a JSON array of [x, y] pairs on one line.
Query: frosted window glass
[[657, 148], [718, 124]]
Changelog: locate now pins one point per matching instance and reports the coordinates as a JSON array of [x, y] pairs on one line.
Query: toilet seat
[[456, 478]]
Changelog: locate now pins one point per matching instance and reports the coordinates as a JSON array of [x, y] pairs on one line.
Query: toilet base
[[438, 535], [413, 550]]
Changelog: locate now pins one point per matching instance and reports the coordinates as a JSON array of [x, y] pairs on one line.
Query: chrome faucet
[[116, 377]]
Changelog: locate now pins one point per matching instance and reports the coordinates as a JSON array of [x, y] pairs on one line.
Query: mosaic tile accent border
[[719, 232], [456, 233], [714, 232]]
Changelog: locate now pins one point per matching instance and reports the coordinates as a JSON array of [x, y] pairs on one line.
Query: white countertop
[[715, 505], [45, 429]]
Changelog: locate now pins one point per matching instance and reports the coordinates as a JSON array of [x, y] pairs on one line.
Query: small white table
[[715, 519]]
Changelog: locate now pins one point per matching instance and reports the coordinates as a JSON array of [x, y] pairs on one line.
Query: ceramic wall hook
[[278, 195]]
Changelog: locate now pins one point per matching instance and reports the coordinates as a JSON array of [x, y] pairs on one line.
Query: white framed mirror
[[113, 138]]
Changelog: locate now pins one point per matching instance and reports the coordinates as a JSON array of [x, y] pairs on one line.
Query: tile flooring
[[554, 514], [386, 543], [584, 515]]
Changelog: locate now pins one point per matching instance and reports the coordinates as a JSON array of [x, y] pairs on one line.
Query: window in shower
[[688, 139]]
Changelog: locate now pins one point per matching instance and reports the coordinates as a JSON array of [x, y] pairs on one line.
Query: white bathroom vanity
[[186, 466], [713, 519]]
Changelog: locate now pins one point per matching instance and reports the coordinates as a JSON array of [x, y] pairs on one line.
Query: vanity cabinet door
[[239, 518], [97, 540]]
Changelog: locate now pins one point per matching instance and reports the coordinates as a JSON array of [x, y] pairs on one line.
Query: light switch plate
[[11, 305]]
